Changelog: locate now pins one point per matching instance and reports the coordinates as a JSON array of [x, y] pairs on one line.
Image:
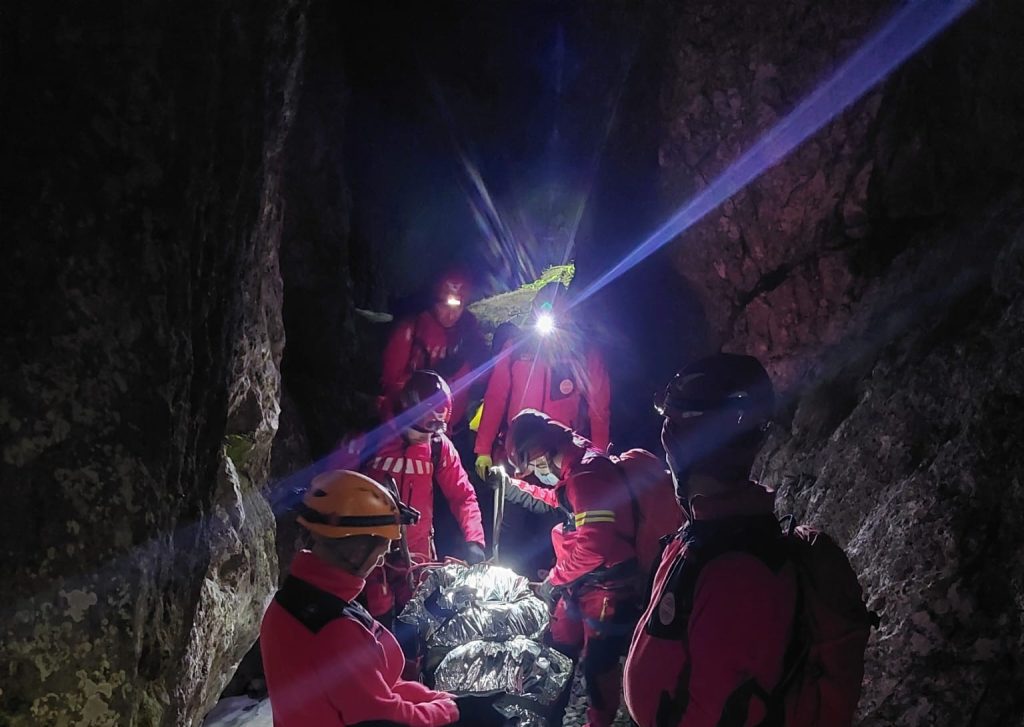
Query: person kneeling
[[327, 661]]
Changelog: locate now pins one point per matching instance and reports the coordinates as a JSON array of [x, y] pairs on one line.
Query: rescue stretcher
[[480, 628]]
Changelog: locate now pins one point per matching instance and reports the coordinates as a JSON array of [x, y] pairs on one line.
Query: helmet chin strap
[[418, 427], [680, 482], [354, 566]]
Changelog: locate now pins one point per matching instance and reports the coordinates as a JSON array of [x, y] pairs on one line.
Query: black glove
[[475, 553], [478, 710], [549, 592]]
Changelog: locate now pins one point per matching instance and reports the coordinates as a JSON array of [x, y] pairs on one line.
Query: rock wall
[[905, 448], [877, 272], [781, 266], [142, 337], [328, 268]]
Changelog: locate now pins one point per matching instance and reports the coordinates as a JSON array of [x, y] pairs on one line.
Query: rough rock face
[[907, 451], [142, 337], [877, 272], [774, 251], [780, 266], [327, 269]]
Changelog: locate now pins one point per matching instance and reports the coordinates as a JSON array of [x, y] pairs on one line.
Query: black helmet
[[426, 389], [725, 381], [529, 431], [717, 410]]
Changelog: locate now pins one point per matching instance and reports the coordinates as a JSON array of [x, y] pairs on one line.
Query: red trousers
[[596, 623]]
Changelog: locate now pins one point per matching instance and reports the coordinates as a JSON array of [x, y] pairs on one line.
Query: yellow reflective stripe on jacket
[[595, 516]]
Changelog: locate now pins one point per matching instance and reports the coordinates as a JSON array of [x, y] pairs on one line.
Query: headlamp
[[453, 301], [545, 323]]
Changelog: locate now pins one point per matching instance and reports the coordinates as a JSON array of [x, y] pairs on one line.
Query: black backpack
[[824, 663]]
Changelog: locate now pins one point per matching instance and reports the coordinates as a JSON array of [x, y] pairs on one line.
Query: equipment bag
[[831, 629], [656, 513], [824, 662]]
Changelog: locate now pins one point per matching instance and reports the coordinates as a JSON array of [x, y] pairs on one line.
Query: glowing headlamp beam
[[453, 301], [905, 33], [545, 324]]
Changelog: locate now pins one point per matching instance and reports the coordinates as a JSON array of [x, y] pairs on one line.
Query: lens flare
[[545, 324], [905, 33]]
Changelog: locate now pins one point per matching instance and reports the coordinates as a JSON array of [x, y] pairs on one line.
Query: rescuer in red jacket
[[593, 583], [413, 449], [551, 368], [327, 662], [707, 652], [445, 338]]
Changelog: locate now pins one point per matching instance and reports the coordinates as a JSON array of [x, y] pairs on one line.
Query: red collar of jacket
[[326, 577], [749, 499]]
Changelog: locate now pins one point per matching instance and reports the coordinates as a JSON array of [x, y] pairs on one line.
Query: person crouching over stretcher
[[592, 589]]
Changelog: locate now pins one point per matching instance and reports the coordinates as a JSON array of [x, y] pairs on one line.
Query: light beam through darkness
[[905, 33]]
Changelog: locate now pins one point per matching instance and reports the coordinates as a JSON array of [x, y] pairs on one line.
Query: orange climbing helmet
[[341, 504]]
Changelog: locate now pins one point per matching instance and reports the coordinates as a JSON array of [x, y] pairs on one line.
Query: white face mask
[[542, 471], [550, 479]]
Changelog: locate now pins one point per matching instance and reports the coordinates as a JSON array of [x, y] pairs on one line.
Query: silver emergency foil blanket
[[534, 675], [457, 604]]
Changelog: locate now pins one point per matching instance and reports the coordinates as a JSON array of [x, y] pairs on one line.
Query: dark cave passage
[[219, 217]]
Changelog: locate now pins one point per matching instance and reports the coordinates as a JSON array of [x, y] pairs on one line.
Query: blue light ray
[[905, 33]]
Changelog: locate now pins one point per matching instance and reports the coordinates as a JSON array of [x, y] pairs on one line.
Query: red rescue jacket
[[598, 528], [412, 467], [557, 382], [738, 628], [421, 342], [343, 672]]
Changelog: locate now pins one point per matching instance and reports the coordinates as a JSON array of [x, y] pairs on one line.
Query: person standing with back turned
[[746, 624]]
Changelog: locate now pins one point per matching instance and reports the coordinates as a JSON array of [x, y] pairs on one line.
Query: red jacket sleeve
[[598, 400], [351, 675], [739, 629], [475, 349], [495, 403], [395, 359], [546, 495], [459, 492], [418, 693], [595, 527]]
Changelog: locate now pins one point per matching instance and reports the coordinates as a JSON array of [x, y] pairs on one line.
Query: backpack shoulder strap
[[758, 536], [704, 541], [315, 608], [436, 450]]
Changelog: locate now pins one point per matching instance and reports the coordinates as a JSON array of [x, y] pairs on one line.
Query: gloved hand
[[548, 592], [475, 553], [478, 710], [483, 463]]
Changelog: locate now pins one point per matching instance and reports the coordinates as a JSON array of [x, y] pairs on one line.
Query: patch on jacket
[[667, 609]]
